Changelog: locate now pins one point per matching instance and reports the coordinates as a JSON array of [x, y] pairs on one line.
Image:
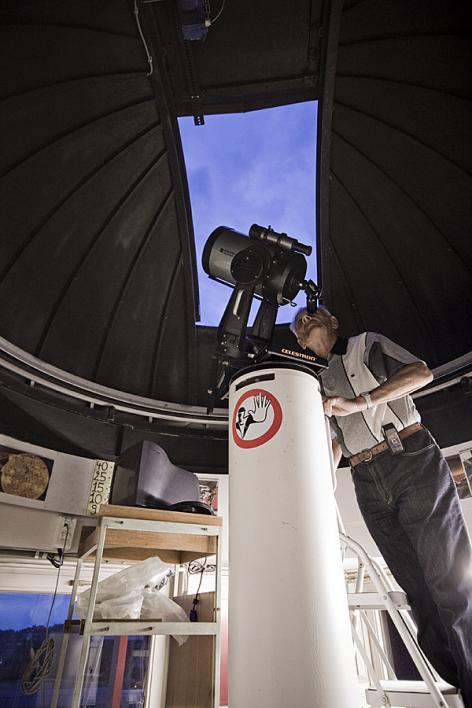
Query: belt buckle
[[367, 455]]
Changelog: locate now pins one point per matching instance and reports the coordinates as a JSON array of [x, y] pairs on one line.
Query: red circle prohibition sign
[[267, 434]]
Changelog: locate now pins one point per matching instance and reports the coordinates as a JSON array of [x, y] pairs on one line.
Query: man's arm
[[404, 381]]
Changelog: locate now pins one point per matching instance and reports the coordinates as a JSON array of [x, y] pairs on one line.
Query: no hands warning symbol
[[257, 418]]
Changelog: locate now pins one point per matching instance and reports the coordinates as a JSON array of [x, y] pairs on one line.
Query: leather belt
[[367, 455]]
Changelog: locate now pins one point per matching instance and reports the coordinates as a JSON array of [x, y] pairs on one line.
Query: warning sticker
[[257, 418]]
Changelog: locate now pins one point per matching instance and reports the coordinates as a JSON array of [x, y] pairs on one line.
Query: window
[[256, 167], [116, 667]]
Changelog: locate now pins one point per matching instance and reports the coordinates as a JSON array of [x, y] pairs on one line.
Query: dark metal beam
[[329, 54]]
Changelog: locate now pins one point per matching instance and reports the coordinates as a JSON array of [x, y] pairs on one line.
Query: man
[[405, 493]]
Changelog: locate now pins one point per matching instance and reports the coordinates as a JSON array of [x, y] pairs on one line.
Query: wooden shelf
[[139, 512], [125, 544]]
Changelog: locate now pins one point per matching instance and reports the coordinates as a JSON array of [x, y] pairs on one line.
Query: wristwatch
[[368, 399]]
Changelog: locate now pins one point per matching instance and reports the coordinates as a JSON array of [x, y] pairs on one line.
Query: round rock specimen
[[25, 475]]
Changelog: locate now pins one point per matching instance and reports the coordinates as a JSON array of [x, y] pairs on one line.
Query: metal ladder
[[431, 692]]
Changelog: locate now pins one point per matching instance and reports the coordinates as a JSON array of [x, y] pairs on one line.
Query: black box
[[144, 476]]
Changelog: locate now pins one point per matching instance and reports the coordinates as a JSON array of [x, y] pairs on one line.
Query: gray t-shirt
[[368, 360]]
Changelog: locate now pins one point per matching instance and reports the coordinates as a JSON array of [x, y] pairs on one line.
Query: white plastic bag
[[125, 607], [134, 578], [130, 594], [156, 605]]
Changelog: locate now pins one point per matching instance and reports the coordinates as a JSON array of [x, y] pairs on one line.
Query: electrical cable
[[143, 40], [201, 569], [40, 663], [212, 22], [195, 567]]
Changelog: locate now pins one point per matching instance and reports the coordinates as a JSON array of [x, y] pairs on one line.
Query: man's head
[[317, 332]]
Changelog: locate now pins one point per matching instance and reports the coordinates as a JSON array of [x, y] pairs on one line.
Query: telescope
[[266, 265], [269, 441]]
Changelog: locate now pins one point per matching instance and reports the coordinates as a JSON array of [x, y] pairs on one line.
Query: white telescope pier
[[290, 643]]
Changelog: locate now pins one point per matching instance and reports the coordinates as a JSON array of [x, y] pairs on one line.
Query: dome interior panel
[[94, 197]]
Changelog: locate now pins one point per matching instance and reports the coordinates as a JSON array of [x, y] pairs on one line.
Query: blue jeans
[[412, 510]]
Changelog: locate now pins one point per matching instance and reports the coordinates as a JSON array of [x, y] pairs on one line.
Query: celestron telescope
[[267, 265]]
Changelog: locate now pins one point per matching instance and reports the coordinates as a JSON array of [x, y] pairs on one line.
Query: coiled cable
[[40, 663]]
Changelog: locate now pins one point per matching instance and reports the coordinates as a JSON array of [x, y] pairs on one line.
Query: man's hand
[[337, 405]]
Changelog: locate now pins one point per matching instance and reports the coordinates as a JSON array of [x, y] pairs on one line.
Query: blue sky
[[256, 167], [27, 610]]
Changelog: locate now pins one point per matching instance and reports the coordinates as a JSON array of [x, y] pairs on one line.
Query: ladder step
[[414, 694], [375, 601]]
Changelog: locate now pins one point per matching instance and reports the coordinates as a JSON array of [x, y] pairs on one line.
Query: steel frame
[[144, 627]]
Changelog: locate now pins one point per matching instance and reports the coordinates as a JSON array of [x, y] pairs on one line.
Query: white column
[[290, 641]]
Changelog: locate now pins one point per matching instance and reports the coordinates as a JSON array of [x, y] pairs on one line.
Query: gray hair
[[299, 312]]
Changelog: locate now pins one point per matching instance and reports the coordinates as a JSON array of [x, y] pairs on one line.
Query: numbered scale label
[[101, 485]]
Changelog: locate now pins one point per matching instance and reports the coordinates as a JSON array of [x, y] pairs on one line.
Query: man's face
[[317, 332]]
